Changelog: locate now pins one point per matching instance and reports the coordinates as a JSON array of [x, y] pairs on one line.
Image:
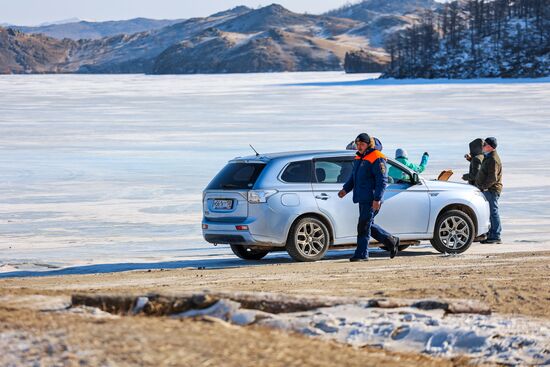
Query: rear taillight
[[241, 228], [205, 226], [259, 196]]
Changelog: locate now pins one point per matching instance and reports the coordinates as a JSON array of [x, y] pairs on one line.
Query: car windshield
[[237, 176]]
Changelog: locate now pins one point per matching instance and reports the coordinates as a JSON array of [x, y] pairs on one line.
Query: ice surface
[[104, 169]]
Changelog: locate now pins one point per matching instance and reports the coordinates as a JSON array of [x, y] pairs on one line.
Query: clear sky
[[33, 12]]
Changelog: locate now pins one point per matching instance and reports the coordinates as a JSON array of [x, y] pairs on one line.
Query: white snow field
[[105, 173]]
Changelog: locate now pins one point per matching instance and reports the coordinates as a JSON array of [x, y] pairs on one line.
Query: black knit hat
[[364, 137], [491, 141]]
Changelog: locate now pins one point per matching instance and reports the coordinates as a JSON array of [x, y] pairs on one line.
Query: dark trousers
[[366, 228], [496, 228]]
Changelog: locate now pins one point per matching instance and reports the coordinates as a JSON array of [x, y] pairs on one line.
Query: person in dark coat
[[475, 157], [368, 182], [489, 181]]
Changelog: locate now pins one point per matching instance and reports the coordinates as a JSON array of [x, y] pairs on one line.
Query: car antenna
[[255, 151]]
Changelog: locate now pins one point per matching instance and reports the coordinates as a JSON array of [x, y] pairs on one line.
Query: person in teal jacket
[[402, 157]]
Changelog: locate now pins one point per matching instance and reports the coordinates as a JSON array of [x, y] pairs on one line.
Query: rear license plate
[[223, 204]]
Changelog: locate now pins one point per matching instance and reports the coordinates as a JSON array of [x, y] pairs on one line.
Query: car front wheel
[[247, 253], [308, 240], [454, 232]]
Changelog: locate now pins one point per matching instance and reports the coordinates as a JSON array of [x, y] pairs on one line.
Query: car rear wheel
[[247, 253], [454, 232], [308, 240]]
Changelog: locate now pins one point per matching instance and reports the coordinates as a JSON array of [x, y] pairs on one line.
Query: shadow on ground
[[202, 263]]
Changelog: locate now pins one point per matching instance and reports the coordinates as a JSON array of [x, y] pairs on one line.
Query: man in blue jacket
[[368, 182]]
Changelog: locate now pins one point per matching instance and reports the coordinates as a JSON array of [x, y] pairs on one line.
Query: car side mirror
[[416, 179]]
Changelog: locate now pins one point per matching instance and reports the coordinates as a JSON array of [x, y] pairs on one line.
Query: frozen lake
[[110, 169]]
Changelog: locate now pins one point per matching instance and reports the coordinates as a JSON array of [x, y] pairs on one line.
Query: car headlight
[[260, 196]]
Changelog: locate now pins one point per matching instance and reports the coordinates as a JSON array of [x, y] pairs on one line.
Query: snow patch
[[485, 339], [140, 304], [91, 312], [228, 310]]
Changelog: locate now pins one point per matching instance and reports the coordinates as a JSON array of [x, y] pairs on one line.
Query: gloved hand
[[427, 154]]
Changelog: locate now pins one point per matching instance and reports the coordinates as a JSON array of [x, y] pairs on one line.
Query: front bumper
[[483, 215]]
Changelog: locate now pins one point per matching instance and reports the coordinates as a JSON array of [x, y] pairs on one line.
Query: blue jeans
[[496, 228], [366, 228]]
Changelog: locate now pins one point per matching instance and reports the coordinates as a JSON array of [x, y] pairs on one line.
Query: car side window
[[398, 175], [333, 170], [298, 172]]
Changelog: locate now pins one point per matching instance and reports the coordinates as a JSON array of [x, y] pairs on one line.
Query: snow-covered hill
[[476, 39]]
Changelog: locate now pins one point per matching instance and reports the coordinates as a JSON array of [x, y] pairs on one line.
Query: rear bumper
[[226, 233], [228, 238]]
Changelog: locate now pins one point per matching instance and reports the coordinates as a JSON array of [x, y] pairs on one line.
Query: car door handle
[[323, 196]]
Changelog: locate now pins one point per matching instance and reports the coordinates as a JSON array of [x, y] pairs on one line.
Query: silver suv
[[271, 202]]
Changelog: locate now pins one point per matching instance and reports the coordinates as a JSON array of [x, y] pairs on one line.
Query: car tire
[[308, 240], [247, 253], [454, 232]]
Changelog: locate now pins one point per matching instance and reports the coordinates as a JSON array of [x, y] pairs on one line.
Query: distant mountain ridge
[[136, 53], [21, 53], [270, 51], [367, 10], [241, 39], [95, 30], [59, 22], [383, 18]]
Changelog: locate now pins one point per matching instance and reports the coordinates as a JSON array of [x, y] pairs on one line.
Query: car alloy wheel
[[454, 232], [308, 240]]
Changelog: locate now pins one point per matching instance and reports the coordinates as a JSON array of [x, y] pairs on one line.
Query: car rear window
[[235, 176]]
